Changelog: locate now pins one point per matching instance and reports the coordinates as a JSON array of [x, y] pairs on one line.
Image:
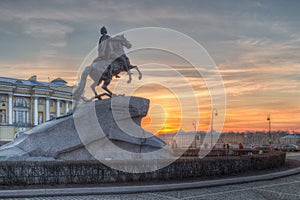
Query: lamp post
[[269, 119], [195, 128], [213, 113]]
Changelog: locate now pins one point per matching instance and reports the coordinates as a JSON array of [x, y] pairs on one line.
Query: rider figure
[[123, 59], [104, 46], [104, 36]]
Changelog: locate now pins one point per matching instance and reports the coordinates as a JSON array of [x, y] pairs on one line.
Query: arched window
[[21, 102], [21, 112]]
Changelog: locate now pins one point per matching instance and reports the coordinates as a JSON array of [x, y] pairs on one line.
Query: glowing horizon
[[236, 120]]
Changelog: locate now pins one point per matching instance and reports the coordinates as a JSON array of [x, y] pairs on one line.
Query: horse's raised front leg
[[140, 73], [129, 77], [93, 87]]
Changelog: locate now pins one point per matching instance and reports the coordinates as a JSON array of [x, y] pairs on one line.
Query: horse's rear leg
[[104, 87], [93, 87]]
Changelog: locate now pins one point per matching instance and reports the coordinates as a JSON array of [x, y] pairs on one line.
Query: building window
[[20, 116], [41, 102], [2, 116], [21, 110], [2, 98], [60, 104], [21, 102], [51, 103], [40, 118]]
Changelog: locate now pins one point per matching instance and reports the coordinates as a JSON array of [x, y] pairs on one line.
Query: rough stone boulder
[[107, 129]]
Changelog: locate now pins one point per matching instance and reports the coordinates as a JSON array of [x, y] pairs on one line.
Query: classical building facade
[[27, 103]]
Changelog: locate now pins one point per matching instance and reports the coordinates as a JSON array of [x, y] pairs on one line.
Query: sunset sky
[[255, 45]]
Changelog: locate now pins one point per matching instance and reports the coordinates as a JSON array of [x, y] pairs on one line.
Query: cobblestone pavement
[[293, 155], [283, 188], [287, 188]]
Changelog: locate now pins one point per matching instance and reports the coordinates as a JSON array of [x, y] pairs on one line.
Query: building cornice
[[38, 95], [41, 89], [61, 99], [21, 95], [8, 93], [35, 87], [63, 93], [7, 86], [22, 88]]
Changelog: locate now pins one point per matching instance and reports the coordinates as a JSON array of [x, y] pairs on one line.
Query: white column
[[57, 108], [10, 109], [47, 109], [27, 117], [24, 118], [36, 111], [67, 107]]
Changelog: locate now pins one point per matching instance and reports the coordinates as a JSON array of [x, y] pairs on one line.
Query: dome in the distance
[[59, 81]]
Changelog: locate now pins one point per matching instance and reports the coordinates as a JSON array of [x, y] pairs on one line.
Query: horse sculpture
[[102, 70]]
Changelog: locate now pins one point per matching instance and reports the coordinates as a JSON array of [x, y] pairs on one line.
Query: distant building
[[290, 139], [27, 103], [183, 139]]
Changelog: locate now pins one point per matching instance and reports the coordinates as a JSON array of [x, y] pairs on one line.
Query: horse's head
[[124, 41]]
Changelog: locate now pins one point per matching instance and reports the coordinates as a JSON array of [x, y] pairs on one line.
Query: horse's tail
[[78, 92]]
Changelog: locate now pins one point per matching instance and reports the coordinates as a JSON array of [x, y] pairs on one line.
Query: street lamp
[[269, 119], [213, 113], [195, 128]]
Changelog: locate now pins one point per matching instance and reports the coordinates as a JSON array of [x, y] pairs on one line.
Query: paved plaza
[[282, 188]]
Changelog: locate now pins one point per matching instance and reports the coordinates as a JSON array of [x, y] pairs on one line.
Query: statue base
[[108, 129]]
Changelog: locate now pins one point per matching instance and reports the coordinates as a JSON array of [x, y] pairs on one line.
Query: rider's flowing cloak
[[104, 50], [106, 55]]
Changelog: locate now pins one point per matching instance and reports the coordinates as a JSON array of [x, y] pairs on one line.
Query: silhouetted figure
[[227, 149], [241, 147]]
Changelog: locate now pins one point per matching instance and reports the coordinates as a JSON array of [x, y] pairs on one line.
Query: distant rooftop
[[294, 136], [59, 81], [32, 81]]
